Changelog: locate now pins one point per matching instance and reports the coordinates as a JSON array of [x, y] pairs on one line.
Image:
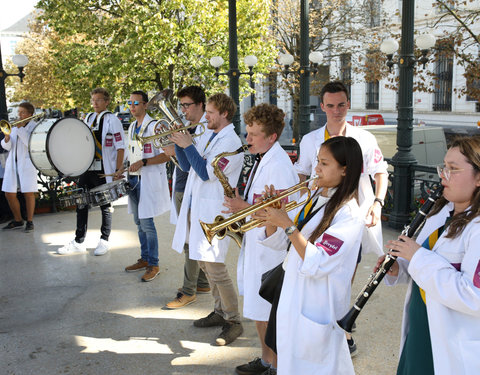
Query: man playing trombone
[[148, 178], [273, 166], [20, 173]]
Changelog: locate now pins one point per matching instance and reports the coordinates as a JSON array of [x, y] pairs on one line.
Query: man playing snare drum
[[109, 152]]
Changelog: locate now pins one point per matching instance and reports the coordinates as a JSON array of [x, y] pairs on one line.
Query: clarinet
[[346, 323]]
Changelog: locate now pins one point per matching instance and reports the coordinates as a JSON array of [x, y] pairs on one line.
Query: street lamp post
[[313, 59], [249, 61], [20, 61], [403, 160]]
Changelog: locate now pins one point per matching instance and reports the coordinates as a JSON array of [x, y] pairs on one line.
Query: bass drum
[[62, 147]]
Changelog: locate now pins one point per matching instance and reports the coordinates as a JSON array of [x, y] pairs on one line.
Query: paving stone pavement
[[82, 314]]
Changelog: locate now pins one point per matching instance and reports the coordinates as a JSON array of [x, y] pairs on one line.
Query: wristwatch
[[290, 230], [379, 201], [144, 161]]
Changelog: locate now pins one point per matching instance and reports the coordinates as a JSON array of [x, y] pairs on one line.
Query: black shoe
[[212, 320], [252, 368], [230, 332], [13, 225], [352, 347], [29, 227], [270, 371]]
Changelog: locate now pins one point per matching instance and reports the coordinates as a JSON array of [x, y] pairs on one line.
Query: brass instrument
[[236, 223], [229, 192], [165, 127], [6, 127]]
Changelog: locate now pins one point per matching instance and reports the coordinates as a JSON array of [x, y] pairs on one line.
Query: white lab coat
[[173, 210], [154, 193], [113, 139], [204, 199], [27, 173], [275, 168], [373, 163], [450, 276], [315, 294]]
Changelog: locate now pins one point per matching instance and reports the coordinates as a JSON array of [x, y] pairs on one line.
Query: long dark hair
[[470, 148], [347, 152]]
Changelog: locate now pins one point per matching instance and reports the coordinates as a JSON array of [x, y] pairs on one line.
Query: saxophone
[[229, 192]]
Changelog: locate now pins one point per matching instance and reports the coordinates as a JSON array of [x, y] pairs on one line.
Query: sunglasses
[[135, 102]]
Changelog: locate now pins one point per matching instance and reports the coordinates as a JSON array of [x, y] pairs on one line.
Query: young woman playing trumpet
[[441, 322], [319, 265]]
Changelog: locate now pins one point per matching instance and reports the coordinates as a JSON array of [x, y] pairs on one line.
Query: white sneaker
[[72, 247], [102, 247]]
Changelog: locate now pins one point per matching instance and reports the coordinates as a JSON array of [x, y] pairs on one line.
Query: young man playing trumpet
[[20, 174], [273, 166]]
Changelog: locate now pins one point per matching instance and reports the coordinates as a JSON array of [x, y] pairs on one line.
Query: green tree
[[133, 44]]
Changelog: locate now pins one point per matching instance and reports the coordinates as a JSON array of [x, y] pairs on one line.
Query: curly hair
[[269, 116], [195, 93], [223, 103]]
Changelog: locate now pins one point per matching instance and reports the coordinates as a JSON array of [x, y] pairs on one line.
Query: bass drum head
[[70, 147]]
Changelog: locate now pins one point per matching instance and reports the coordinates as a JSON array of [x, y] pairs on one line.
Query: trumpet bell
[[5, 127]]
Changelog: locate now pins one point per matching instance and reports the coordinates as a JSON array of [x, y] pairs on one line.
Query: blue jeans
[[147, 234]]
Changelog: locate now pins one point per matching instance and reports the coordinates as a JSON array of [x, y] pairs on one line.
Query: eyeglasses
[[135, 102], [446, 172], [185, 105]]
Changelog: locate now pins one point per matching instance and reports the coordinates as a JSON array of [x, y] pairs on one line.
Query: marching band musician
[[319, 266], [109, 153], [203, 200], [265, 124], [441, 317], [192, 104], [20, 173], [335, 103], [148, 179]]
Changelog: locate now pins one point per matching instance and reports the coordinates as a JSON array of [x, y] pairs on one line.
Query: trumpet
[[163, 130], [6, 127], [221, 226]]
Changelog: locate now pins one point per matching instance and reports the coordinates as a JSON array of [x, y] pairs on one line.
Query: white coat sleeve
[[118, 134], [7, 146], [457, 290], [277, 241], [403, 276], [330, 250], [374, 160]]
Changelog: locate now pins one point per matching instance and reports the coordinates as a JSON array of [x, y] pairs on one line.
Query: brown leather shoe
[[152, 272], [180, 301], [140, 265]]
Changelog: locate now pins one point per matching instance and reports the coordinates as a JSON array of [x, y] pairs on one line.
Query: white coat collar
[[222, 133]]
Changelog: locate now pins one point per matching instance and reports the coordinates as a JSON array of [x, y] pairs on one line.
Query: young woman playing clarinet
[[319, 265], [441, 321]]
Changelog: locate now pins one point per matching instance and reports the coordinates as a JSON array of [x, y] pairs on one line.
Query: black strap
[[305, 220]]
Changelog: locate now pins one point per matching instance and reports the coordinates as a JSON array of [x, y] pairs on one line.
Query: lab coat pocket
[[469, 350], [315, 342]]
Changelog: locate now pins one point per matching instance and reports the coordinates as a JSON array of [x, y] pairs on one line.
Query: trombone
[[6, 127], [221, 225]]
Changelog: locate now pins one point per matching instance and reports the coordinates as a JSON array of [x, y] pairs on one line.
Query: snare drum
[[107, 193], [62, 147], [77, 199]]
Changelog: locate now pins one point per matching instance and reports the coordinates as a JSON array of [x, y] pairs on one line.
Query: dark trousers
[[89, 180]]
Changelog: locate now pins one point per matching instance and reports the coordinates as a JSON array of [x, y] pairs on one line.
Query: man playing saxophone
[[273, 166], [203, 200]]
